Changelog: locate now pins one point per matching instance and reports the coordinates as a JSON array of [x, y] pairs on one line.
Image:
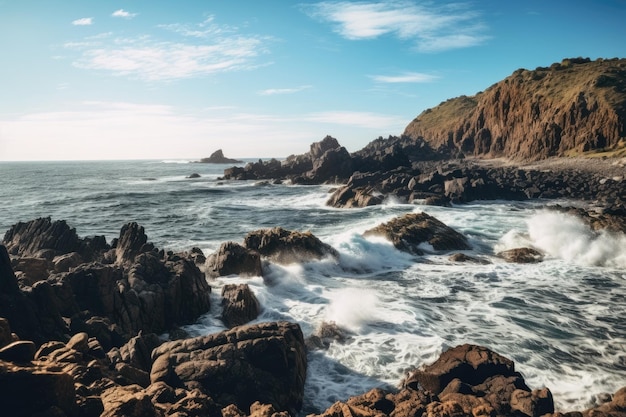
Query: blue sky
[[147, 79]]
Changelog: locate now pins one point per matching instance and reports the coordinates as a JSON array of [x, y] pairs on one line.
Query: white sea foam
[[567, 237], [352, 308]]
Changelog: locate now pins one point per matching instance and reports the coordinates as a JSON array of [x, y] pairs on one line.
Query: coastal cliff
[[571, 107]]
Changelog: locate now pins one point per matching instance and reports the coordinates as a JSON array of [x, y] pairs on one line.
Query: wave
[[569, 238]]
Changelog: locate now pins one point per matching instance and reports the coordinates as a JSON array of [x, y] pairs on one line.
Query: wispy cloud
[[85, 21], [124, 14], [276, 91], [429, 26], [407, 77], [207, 28], [150, 59]]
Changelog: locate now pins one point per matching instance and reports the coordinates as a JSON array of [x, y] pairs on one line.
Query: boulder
[[239, 305], [408, 232], [285, 246], [192, 176], [233, 259], [31, 270], [521, 255], [137, 351], [349, 197], [471, 364], [264, 362], [65, 262]]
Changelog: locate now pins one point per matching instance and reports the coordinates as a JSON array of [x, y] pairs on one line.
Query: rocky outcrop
[[233, 259], [571, 107], [239, 305], [218, 157], [286, 246], [410, 231], [327, 161], [264, 362]]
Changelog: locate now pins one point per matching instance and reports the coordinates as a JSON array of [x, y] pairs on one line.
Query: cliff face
[[571, 107]]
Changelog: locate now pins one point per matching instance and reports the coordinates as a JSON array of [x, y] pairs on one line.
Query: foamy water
[[559, 320]]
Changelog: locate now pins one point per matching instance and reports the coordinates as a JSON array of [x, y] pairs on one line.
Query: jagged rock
[[43, 238], [285, 246], [408, 232], [521, 255], [327, 333], [335, 164], [218, 157], [239, 305], [31, 269], [233, 259], [532, 404], [132, 242], [348, 197], [264, 362], [128, 401]]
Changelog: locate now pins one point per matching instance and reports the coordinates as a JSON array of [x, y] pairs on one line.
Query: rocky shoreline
[[79, 319]]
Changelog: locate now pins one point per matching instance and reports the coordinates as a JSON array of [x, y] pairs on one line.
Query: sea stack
[[218, 157]]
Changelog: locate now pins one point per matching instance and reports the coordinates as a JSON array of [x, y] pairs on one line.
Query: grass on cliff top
[[446, 114]]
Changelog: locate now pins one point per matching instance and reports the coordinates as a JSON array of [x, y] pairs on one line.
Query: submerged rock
[[408, 232], [521, 255]]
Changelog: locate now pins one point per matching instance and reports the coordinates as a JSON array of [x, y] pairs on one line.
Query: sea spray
[[569, 238]]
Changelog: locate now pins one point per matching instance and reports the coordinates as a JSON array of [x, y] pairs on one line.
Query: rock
[[471, 364], [327, 333], [128, 401], [233, 259], [348, 197], [32, 269], [408, 232], [332, 166], [79, 342], [20, 351], [532, 404], [461, 257], [239, 305], [137, 351], [194, 175], [28, 390], [264, 362], [521, 255], [218, 157], [132, 242], [65, 262], [285, 246], [5, 332]]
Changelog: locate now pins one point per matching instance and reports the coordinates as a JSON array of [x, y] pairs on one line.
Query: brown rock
[[532, 404], [264, 362], [20, 351], [471, 364], [128, 401], [409, 231]]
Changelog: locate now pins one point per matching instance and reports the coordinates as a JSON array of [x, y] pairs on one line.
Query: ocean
[[561, 320]]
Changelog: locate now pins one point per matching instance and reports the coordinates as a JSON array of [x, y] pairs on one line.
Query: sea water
[[561, 320]]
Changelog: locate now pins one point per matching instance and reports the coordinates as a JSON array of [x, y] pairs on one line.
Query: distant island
[[218, 157]]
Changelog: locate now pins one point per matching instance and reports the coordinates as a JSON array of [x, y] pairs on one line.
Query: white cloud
[[156, 61], [276, 91], [147, 58], [123, 13], [85, 21], [407, 77], [430, 27]]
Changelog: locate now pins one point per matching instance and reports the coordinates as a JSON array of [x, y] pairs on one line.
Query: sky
[[155, 79]]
